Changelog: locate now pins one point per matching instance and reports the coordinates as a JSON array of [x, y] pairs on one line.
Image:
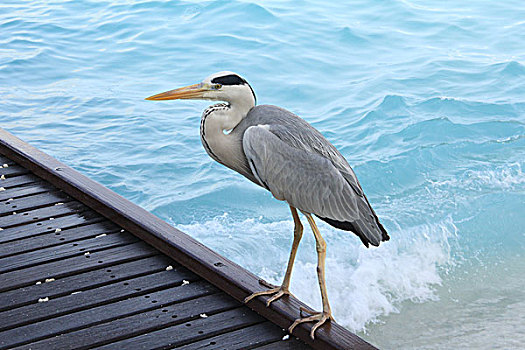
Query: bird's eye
[[217, 86]]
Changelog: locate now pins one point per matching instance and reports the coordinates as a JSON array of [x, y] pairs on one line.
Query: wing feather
[[297, 164], [306, 181]]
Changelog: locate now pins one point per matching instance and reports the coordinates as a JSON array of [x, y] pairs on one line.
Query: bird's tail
[[370, 231], [360, 229]]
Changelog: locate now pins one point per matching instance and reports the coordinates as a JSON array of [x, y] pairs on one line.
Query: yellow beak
[[194, 91]]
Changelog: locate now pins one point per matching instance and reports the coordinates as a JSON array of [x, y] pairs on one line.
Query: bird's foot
[[320, 317], [278, 291]]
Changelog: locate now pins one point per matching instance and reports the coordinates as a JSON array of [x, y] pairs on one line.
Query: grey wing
[[309, 180], [306, 181], [297, 133]]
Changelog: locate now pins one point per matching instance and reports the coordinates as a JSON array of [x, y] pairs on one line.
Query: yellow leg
[[320, 317], [284, 288]]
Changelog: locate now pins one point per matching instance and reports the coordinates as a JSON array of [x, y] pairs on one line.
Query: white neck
[[216, 122], [228, 118]]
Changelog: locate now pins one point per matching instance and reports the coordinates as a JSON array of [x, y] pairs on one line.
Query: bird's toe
[[277, 293], [320, 317]]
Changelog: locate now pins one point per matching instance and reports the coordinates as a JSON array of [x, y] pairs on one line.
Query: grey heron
[[281, 152]]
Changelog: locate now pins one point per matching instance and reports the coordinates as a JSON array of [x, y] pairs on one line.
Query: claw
[[278, 291], [323, 319], [320, 317], [279, 294], [306, 310]]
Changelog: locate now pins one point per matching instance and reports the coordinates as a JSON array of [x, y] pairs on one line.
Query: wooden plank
[[291, 344], [33, 201], [220, 271], [5, 160], [42, 214], [84, 281], [75, 265], [244, 338], [63, 251], [54, 239], [25, 190], [12, 170], [189, 332], [114, 321], [94, 297], [15, 181], [42, 227]]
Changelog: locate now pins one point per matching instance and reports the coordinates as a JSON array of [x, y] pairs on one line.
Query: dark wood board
[[118, 320], [75, 265], [41, 214], [5, 160], [291, 344], [50, 239], [64, 251], [191, 330], [42, 227], [15, 181], [84, 281], [22, 191], [93, 297], [244, 338], [12, 170], [32, 201]]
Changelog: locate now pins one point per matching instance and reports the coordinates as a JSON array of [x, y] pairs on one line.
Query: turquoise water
[[425, 99]]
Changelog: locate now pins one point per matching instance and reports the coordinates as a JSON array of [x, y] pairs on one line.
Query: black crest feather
[[233, 79]]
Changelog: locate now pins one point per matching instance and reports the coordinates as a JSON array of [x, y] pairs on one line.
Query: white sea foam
[[502, 177], [363, 284]]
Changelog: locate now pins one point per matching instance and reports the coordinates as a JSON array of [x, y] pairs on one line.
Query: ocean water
[[426, 100]]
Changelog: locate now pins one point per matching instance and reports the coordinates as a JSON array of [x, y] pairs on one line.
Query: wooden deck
[[81, 267]]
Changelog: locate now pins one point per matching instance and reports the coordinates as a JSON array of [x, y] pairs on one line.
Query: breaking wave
[[363, 284]]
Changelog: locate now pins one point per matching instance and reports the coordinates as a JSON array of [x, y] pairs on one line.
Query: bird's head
[[222, 86]]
